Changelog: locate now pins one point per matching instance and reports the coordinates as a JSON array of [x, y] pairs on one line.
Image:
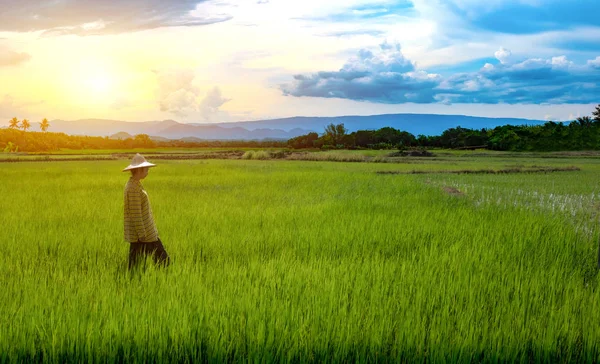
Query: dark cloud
[[12, 58], [388, 77], [58, 17]]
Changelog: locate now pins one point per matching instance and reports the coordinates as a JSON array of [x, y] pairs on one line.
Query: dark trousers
[[138, 252]]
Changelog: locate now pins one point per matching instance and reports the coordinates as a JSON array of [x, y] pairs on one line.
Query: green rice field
[[305, 261]]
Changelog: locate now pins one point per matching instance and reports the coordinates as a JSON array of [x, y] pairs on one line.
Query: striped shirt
[[139, 221]]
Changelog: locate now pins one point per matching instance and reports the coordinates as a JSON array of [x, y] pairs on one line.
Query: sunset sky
[[215, 61]]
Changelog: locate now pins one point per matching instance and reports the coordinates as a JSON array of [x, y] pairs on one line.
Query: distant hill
[[104, 127], [121, 136], [286, 128], [427, 124], [169, 129], [159, 139]]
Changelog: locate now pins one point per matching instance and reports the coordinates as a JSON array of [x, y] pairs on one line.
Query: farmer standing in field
[[140, 230]]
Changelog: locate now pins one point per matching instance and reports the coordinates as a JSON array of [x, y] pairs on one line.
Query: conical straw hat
[[138, 161]]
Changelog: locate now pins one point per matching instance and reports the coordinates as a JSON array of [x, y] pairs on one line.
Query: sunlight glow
[[99, 83], [94, 81]]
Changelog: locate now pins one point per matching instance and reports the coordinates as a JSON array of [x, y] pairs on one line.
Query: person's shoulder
[[132, 186]]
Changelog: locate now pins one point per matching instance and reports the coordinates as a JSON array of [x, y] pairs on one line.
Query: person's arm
[[135, 213]]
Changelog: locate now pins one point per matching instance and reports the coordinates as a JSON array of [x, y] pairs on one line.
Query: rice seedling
[[303, 261]]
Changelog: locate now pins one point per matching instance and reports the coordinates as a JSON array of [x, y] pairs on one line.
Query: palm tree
[[596, 114], [14, 123], [44, 125], [584, 121], [25, 124]]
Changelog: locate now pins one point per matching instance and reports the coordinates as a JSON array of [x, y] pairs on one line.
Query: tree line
[[15, 140], [580, 134]]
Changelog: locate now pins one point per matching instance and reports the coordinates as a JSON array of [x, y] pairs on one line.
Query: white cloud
[[176, 92], [488, 67], [388, 59], [561, 61], [386, 76], [369, 11], [594, 62], [455, 40], [209, 106], [9, 57], [503, 55], [281, 11], [95, 25]]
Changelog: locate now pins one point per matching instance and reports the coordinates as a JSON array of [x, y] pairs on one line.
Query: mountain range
[[286, 128]]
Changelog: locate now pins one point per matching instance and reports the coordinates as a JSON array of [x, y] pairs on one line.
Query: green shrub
[[248, 155], [257, 154], [262, 154]]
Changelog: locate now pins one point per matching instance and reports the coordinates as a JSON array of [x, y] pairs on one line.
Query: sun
[[99, 83], [96, 83], [92, 81]]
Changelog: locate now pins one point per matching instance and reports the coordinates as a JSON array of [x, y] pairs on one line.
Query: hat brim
[[142, 165]]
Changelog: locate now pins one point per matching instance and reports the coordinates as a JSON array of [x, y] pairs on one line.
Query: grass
[[531, 169], [168, 150], [257, 154], [303, 261], [373, 156]]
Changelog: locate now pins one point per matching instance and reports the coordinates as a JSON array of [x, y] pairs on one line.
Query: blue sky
[[225, 60]]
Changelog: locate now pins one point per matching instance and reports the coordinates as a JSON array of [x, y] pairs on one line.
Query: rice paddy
[[305, 261]]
